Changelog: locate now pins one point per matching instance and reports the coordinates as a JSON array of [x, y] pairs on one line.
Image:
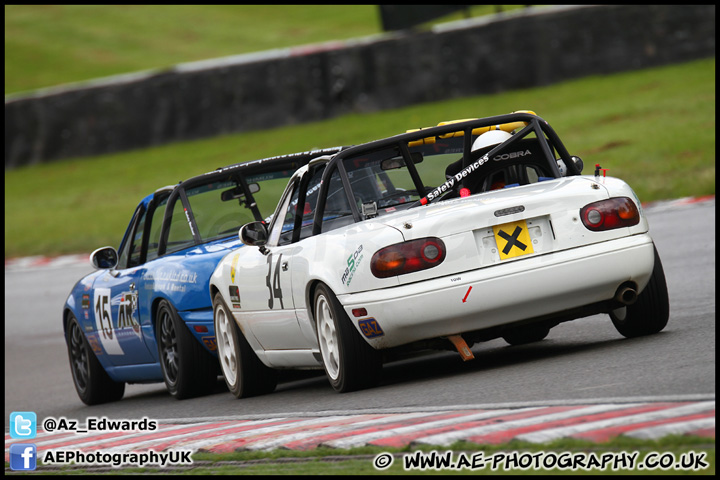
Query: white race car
[[435, 238]]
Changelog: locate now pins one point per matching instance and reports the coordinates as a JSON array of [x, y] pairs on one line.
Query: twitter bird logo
[[23, 425]]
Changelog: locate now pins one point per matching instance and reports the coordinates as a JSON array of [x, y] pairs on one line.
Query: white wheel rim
[[327, 337], [226, 345]]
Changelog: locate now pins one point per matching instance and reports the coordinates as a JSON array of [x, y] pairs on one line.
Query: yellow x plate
[[513, 239]]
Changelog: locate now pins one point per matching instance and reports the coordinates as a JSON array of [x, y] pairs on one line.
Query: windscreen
[[220, 207], [383, 177]]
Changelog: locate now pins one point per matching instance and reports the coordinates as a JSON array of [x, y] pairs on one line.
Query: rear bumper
[[502, 294]]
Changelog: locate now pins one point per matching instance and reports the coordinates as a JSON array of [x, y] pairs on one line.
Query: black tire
[[244, 373], [188, 369], [92, 383], [650, 313], [526, 334], [350, 362]]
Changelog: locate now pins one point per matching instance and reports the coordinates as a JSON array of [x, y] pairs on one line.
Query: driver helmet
[[488, 139], [562, 167], [492, 137]]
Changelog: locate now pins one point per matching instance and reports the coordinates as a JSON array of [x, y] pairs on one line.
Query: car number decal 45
[[103, 322]]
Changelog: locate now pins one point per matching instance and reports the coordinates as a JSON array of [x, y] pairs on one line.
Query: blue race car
[[145, 315]]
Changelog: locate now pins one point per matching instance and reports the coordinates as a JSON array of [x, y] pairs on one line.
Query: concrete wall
[[531, 47]]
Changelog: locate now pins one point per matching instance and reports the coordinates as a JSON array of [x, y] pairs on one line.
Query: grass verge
[[48, 45], [653, 128]]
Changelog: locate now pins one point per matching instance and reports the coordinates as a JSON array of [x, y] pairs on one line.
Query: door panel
[[116, 317], [265, 297]]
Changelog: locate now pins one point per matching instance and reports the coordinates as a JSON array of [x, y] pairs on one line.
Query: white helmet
[[562, 167], [492, 137]]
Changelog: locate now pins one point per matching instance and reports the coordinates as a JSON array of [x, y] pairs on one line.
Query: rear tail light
[[408, 257], [611, 213]]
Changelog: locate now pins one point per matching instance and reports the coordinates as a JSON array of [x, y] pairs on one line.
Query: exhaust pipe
[[627, 295]]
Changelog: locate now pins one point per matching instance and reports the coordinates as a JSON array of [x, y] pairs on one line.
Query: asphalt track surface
[[584, 380]]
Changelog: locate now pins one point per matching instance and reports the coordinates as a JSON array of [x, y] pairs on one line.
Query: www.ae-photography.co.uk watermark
[[523, 461]]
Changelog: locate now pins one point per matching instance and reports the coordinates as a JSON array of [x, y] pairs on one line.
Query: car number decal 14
[[272, 281], [513, 239]]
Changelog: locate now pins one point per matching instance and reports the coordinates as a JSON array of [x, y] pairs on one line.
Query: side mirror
[[104, 258], [254, 233], [578, 162]]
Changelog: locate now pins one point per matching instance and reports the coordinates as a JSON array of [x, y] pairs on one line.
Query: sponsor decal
[[510, 156], [233, 266], [95, 344], [187, 215], [310, 191], [171, 280], [210, 343], [370, 328], [312, 153], [352, 263], [175, 276], [450, 183], [86, 301], [127, 312]]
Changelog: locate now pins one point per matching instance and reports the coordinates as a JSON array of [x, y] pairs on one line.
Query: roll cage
[[232, 180], [452, 137]]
